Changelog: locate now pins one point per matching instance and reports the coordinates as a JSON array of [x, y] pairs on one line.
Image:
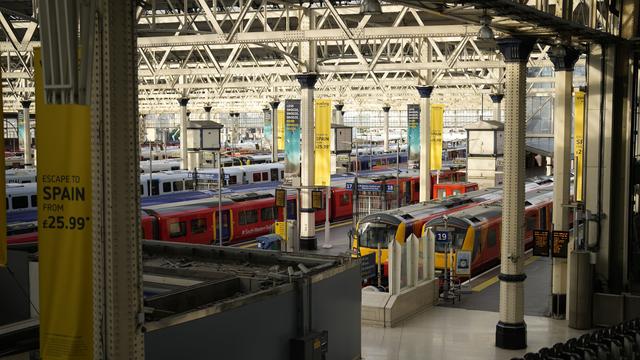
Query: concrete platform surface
[[454, 333]]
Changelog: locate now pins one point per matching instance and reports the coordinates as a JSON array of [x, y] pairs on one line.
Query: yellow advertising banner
[[437, 123], [3, 205], [578, 142], [64, 227], [323, 146], [281, 129]]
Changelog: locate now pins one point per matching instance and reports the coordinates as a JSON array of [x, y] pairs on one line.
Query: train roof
[[479, 214], [13, 189], [430, 207]]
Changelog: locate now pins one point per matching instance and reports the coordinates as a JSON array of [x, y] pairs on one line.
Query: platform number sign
[[443, 236]]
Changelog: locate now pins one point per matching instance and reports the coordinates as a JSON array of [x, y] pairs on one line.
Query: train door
[[274, 175], [153, 187], [226, 226], [407, 192], [543, 218]]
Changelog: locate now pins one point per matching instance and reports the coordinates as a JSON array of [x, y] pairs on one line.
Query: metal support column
[[28, 158], [564, 59], [339, 112], [307, 166], [117, 261], [274, 130], [497, 106], [511, 330], [385, 131], [183, 133], [425, 141]]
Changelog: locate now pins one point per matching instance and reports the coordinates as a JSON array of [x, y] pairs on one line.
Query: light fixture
[[370, 7], [485, 32]]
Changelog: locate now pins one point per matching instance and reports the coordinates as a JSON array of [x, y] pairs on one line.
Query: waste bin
[[269, 242]]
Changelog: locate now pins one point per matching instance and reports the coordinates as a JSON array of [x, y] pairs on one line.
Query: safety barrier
[[410, 263], [618, 342]]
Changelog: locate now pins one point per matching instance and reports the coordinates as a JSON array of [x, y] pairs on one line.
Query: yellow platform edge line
[[494, 279]]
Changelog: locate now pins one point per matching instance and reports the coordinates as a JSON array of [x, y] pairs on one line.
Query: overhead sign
[[463, 262], [64, 226], [437, 123], [560, 244], [322, 142], [370, 187], [3, 205], [578, 142], [292, 138], [541, 242], [413, 132]]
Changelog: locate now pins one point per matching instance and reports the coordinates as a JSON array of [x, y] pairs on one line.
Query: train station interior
[[320, 179]]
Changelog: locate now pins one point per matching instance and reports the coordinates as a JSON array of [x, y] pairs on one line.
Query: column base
[[308, 243], [511, 336], [559, 306]]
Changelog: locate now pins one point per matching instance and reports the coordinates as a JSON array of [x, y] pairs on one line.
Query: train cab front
[[451, 235], [374, 234]]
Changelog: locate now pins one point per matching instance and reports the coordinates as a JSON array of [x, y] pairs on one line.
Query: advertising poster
[[64, 227], [322, 143], [463, 262], [3, 206], [267, 125], [578, 142], [280, 129], [292, 138], [437, 123], [413, 132]]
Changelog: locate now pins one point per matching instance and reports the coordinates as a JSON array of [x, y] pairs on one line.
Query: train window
[[282, 174], [166, 187], [20, 202], [198, 226], [442, 193], [256, 177], [248, 217], [492, 237], [141, 189], [265, 176], [344, 199], [177, 229], [373, 233], [274, 174], [34, 201], [268, 214], [232, 180], [189, 185], [178, 186]]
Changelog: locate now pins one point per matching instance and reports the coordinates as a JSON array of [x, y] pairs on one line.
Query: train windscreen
[[371, 234], [459, 234]]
